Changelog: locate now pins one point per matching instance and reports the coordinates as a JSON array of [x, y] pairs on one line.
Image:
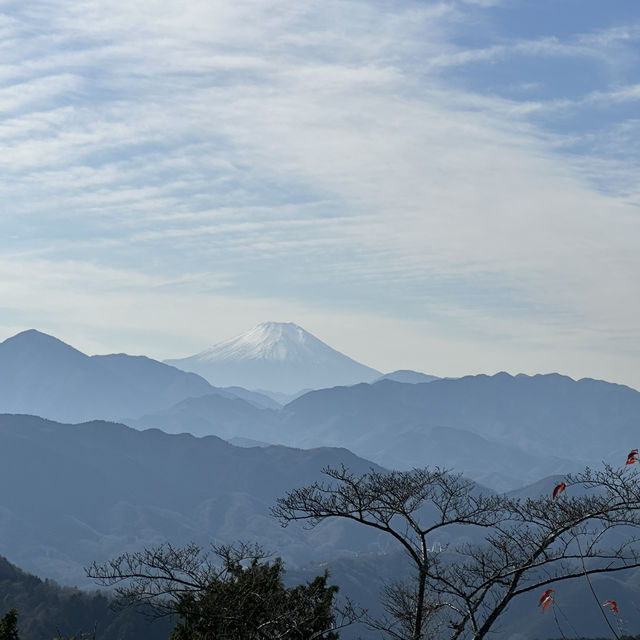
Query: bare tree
[[160, 575], [526, 545], [231, 592]]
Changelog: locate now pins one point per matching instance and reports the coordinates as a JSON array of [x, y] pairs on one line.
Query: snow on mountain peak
[[279, 356], [273, 341]]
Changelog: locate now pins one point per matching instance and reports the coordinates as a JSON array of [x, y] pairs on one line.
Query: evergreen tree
[[251, 602], [241, 595], [9, 625]]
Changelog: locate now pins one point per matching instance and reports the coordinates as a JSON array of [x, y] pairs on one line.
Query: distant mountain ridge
[[503, 431], [408, 376], [72, 494], [519, 427], [212, 414], [278, 356], [41, 375]]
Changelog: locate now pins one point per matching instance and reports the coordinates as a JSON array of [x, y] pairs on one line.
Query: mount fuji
[[278, 356]]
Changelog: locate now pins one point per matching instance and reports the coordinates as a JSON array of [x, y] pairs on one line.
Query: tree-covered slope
[[47, 610], [72, 494]]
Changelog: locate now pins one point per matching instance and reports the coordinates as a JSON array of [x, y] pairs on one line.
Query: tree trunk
[[419, 617]]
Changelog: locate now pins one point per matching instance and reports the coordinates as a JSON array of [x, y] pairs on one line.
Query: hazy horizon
[[383, 372], [450, 187]]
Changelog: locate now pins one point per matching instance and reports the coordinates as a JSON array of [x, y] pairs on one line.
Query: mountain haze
[[213, 414], [501, 430], [41, 375], [278, 356], [72, 494], [408, 376]]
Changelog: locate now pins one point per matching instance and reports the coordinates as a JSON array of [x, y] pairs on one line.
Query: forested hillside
[[47, 610]]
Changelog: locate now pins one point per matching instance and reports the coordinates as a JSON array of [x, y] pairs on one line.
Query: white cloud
[[610, 46], [166, 157]]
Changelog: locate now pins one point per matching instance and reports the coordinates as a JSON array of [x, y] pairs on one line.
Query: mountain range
[[408, 376], [44, 376], [503, 431], [72, 494]]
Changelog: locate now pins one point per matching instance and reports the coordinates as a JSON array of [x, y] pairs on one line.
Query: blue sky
[[447, 186]]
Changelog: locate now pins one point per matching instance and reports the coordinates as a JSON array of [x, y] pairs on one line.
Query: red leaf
[[558, 490], [611, 603]]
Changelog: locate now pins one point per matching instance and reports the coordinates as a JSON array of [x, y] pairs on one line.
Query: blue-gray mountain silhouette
[[41, 375], [408, 376], [72, 494], [225, 417], [520, 427], [503, 431]]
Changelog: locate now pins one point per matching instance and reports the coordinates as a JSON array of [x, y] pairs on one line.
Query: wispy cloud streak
[[313, 155]]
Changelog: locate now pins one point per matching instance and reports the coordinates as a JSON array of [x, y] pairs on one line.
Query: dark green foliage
[[9, 625], [228, 593], [252, 603]]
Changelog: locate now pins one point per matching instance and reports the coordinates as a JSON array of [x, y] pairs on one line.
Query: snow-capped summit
[[278, 356], [271, 341]]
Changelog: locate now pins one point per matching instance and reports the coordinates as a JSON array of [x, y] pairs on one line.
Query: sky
[[448, 186]]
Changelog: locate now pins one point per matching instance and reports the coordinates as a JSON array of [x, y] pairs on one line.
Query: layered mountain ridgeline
[[503, 431], [72, 494], [227, 418], [47, 610], [542, 413], [42, 375], [518, 428]]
